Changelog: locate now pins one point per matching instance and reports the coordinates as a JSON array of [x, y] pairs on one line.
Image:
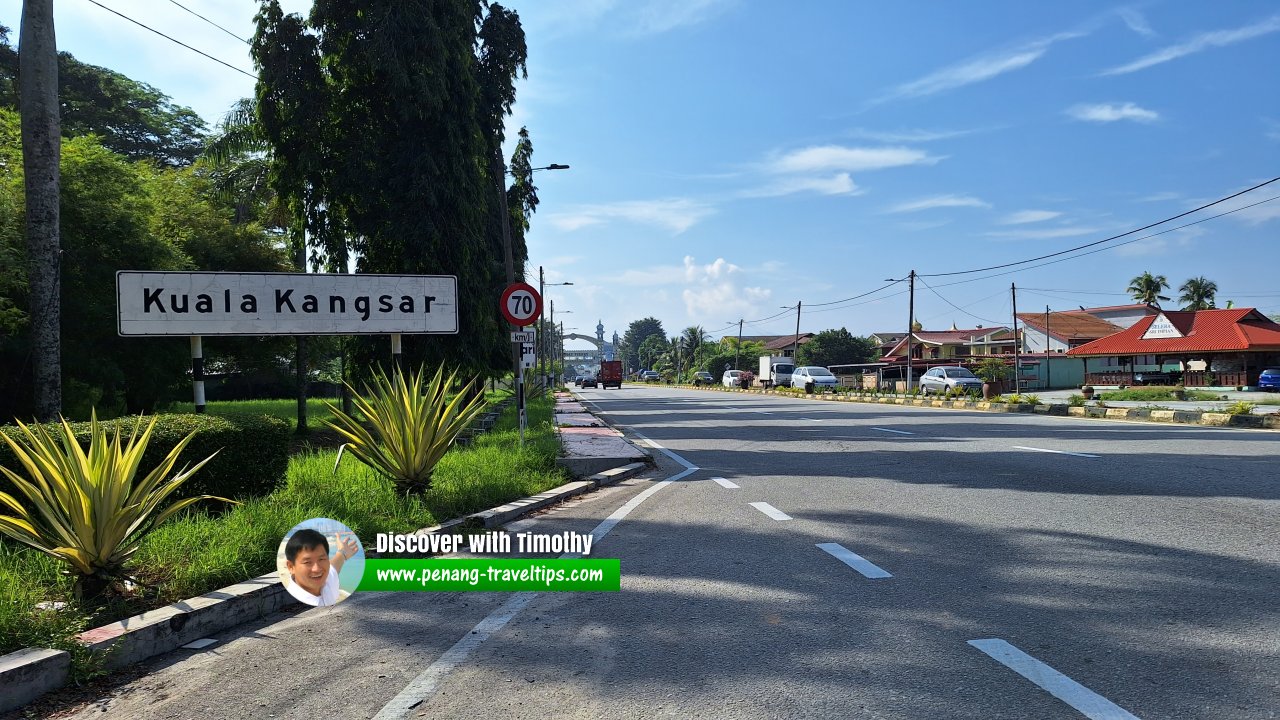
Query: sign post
[[520, 304]]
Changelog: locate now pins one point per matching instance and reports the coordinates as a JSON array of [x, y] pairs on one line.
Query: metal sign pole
[[520, 398], [197, 372]]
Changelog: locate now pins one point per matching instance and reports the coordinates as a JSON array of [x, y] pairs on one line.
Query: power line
[[193, 12], [1112, 247], [1106, 240], [966, 312], [855, 297], [170, 39]]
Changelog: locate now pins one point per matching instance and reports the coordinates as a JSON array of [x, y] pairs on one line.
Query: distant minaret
[[613, 351], [600, 337]]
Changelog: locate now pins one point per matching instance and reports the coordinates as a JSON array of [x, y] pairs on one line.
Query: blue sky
[[729, 158]]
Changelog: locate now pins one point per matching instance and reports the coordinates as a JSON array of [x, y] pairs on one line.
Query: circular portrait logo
[[320, 562]]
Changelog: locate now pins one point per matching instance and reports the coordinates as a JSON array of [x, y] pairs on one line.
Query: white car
[[730, 378], [811, 375]]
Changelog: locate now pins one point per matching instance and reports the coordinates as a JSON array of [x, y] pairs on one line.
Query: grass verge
[[198, 552], [1145, 394]]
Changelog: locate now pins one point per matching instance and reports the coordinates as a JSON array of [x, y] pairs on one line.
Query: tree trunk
[[41, 150]]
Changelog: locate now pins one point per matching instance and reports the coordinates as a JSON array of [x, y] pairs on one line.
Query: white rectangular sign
[[225, 303], [528, 355], [524, 336]]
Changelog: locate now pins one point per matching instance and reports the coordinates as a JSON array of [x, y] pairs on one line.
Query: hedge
[[253, 451]]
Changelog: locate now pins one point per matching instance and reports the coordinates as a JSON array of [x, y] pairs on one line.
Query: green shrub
[[1031, 399], [1075, 400], [253, 451], [1240, 408]]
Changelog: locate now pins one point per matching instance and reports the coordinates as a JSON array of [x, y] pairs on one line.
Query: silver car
[[940, 380]]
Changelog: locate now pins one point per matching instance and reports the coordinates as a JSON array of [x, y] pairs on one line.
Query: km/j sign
[[215, 303]]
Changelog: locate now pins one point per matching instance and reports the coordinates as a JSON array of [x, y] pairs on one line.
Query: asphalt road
[[871, 562]]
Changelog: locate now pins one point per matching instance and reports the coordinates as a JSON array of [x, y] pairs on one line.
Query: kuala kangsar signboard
[[224, 303]]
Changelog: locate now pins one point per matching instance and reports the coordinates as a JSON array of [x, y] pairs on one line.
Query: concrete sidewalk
[[590, 446]]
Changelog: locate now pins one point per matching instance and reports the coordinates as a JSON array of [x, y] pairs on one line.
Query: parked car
[[702, 378], [812, 375], [1269, 380], [650, 376], [730, 378], [944, 379]]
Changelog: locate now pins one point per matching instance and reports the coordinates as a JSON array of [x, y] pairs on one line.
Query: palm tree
[[694, 337], [1146, 288], [1197, 293]]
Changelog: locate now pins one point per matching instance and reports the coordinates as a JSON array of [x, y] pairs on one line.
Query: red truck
[[610, 374]]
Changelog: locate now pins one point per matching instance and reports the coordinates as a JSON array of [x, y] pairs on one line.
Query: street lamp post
[[542, 285], [508, 260]]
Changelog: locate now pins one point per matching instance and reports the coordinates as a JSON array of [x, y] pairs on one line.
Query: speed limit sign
[[521, 303]]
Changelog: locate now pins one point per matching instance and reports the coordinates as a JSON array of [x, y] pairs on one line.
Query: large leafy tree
[[382, 119], [1146, 288], [1198, 294], [836, 347], [637, 332], [131, 118]]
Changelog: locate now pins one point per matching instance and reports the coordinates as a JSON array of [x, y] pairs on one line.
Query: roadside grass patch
[[283, 408], [1144, 394], [199, 552]]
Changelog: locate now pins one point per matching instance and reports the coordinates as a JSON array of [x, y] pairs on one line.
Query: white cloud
[[673, 214], [659, 16], [909, 136], [713, 293], [1047, 234], [939, 201], [1112, 112], [647, 276], [1160, 197], [839, 184], [826, 158], [922, 225], [1273, 129], [1203, 41], [976, 69], [1028, 216], [1135, 21]]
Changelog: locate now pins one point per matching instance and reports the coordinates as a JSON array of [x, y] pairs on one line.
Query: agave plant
[[88, 508], [408, 427]]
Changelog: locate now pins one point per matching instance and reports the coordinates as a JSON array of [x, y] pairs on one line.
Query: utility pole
[[911, 321], [500, 177], [1046, 347], [737, 353], [1017, 343], [795, 342], [542, 328]]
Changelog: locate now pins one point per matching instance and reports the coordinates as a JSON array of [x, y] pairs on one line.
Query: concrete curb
[[1270, 421], [31, 672]]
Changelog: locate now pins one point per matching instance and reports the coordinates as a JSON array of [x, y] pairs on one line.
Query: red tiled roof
[[786, 341], [1071, 325], [1237, 329]]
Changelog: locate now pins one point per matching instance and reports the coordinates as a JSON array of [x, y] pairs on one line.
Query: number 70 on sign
[[520, 304]]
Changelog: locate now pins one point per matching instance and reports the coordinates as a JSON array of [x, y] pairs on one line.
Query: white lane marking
[[430, 679], [1087, 702], [427, 682], [854, 560], [1055, 452], [669, 454], [811, 419], [770, 510], [763, 412], [725, 483], [889, 430]]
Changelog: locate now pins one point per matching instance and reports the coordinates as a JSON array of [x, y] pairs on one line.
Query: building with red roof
[[1232, 346]]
